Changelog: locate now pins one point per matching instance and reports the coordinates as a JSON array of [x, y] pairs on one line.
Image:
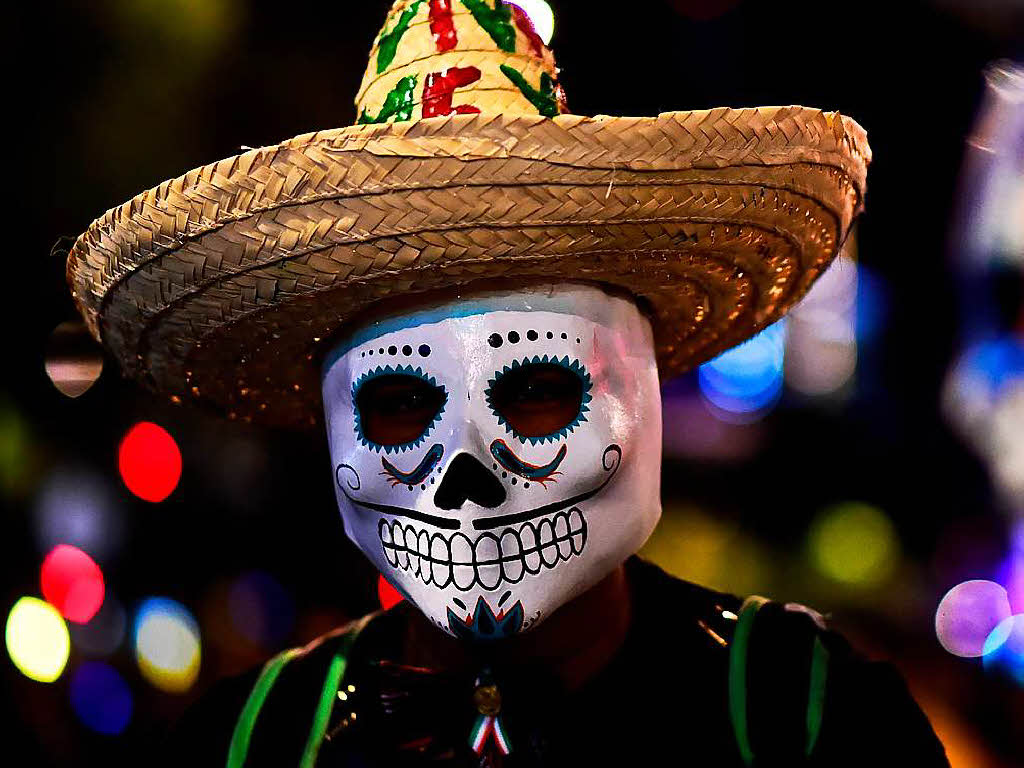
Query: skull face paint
[[496, 456]]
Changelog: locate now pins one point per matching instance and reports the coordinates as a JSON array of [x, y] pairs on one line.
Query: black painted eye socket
[[538, 400], [397, 409]]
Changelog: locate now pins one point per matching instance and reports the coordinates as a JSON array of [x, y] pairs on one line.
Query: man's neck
[[575, 643]]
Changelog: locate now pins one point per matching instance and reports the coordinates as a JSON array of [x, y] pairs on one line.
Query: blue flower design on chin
[[516, 367], [396, 370]]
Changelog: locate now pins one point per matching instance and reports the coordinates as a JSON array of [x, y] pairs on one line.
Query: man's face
[[498, 455]]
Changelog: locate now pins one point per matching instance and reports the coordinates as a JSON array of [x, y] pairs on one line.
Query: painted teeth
[[440, 560], [462, 561], [492, 559]]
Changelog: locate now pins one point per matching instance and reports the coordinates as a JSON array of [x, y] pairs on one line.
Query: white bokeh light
[[541, 15]]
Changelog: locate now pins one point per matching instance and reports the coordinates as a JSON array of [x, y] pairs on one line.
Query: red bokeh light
[[72, 583], [149, 461], [388, 595]]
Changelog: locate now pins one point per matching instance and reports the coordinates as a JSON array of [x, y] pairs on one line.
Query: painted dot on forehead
[[513, 337], [424, 350], [495, 340], [392, 350], [406, 350], [551, 335], [531, 335]]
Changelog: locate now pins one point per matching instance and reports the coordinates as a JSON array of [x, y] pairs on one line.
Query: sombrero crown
[[223, 285], [445, 57]]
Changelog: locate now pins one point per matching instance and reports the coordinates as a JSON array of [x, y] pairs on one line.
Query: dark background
[[113, 97]]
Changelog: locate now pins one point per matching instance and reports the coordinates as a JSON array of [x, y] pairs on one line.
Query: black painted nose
[[466, 479]]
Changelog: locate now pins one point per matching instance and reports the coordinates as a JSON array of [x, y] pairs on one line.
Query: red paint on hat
[[439, 88]]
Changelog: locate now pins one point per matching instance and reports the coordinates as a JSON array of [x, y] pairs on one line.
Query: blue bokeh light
[[747, 379], [101, 698], [1004, 649], [994, 362], [261, 609]]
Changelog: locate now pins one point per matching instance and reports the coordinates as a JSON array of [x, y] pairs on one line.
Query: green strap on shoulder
[[328, 694], [738, 675], [242, 736], [816, 694], [738, 683]]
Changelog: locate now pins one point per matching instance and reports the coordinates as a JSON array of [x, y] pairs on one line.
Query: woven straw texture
[[222, 284], [417, 56]]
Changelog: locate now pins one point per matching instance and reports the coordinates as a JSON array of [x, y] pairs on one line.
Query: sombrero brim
[[221, 284]]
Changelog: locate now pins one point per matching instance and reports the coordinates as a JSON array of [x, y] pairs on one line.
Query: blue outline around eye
[[401, 370], [575, 366]]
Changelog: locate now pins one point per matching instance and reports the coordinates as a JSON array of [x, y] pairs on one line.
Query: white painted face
[[498, 455]]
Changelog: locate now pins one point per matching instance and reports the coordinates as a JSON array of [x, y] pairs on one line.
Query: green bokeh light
[[854, 544]]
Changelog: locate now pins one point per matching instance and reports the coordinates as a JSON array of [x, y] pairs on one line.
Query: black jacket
[[662, 701]]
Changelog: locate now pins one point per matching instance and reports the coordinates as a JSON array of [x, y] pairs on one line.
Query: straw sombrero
[[222, 285]]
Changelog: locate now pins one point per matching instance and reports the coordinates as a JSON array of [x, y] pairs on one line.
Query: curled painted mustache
[[611, 459]]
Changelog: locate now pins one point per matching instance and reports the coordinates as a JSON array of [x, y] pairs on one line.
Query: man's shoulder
[[789, 683], [265, 712]]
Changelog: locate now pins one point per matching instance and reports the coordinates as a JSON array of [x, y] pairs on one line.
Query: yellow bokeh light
[[854, 544], [37, 639], [167, 646], [694, 545]]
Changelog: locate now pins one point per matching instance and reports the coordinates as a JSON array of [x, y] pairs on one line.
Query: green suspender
[[738, 675], [328, 694], [239, 749], [738, 682], [816, 695]]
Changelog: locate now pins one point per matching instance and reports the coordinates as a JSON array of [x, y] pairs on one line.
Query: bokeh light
[[37, 639], [702, 547], [1003, 649], [387, 594], [984, 398], [855, 544], [76, 506], [262, 611], [690, 430], [821, 351], [1011, 570], [72, 583], [968, 614], [103, 634], [74, 360], [746, 381], [101, 698], [167, 644], [196, 29], [18, 460], [541, 15], [149, 462]]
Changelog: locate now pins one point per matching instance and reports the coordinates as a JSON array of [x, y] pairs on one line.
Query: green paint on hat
[[397, 105], [545, 99], [497, 22], [387, 45]]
